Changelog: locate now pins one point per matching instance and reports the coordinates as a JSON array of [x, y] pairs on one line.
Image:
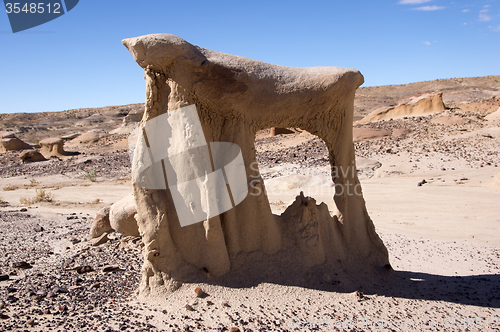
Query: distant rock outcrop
[[280, 131], [90, 120], [130, 122], [421, 105], [52, 146], [11, 142]]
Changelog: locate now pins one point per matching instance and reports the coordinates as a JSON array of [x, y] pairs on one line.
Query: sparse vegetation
[[9, 187], [96, 201], [41, 196], [91, 174], [33, 182]]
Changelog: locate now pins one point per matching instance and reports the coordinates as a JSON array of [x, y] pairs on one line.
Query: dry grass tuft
[[9, 187], [41, 196]]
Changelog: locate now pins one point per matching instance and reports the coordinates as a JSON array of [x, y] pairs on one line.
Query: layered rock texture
[[235, 97], [424, 104]]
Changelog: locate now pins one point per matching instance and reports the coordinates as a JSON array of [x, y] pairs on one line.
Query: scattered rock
[[38, 228], [75, 241], [4, 316], [421, 183], [122, 216], [189, 307], [31, 156], [100, 240], [95, 285], [12, 299], [234, 329], [60, 290], [21, 265], [200, 293], [225, 304], [4, 277], [360, 296], [24, 210], [31, 322], [100, 224], [84, 269], [111, 268]]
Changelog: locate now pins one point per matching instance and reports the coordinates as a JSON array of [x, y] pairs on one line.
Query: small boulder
[[122, 216], [31, 156], [101, 224]]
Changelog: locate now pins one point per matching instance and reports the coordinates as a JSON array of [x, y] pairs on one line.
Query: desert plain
[[429, 176]]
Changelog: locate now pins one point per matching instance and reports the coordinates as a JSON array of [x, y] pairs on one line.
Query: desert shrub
[[91, 174], [9, 187], [33, 182], [41, 196]]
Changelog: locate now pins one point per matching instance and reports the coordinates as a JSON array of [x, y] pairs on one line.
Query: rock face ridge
[[235, 97], [421, 105]]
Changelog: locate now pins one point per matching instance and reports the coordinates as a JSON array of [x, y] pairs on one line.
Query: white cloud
[[412, 2], [465, 10], [495, 29], [427, 43], [429, 8], [483, 16]]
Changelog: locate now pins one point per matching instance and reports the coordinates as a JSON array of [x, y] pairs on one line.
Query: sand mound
[[448, 120], [496, 180], [90, 137], [415, 106], [494, 117], [363, 134], [400, 132]]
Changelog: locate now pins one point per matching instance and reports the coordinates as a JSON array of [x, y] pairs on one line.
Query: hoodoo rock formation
[[235, 97]]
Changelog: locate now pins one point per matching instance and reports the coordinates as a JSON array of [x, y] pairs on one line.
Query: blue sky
[[78, 61]]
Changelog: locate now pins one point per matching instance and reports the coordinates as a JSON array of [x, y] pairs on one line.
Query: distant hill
[[456, 90]]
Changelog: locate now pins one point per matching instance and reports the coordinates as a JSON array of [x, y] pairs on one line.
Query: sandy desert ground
[[443, 234]]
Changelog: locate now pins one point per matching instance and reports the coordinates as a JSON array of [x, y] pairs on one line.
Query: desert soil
[[443, 234]]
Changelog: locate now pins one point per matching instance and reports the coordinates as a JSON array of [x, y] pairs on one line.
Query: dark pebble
[[60, 290], [21, 265]]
